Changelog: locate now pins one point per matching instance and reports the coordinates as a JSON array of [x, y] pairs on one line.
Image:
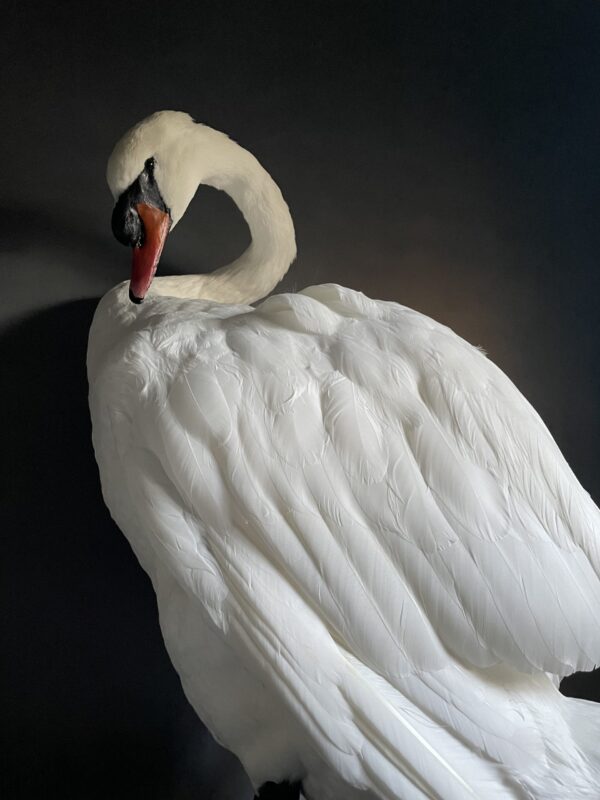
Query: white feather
[[369, 555]]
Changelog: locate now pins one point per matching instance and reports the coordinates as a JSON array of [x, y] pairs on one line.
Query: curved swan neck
[[273, 248]]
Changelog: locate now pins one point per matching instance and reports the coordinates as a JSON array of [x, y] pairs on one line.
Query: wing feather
[[365, 506], [437, 509]]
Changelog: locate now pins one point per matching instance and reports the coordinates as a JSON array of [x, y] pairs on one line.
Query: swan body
[[372, 562]]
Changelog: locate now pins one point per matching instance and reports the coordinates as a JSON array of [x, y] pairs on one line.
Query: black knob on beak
[[127, 226]]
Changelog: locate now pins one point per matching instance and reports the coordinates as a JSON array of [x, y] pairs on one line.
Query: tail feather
[[583, 718], [458, 734]]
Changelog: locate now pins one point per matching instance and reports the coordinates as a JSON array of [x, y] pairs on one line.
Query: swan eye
[[149, 165]]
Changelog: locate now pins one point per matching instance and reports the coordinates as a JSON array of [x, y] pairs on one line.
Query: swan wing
[[366, 506], [396, 478]]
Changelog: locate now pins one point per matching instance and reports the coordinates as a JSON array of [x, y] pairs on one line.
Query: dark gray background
[[444, 155]]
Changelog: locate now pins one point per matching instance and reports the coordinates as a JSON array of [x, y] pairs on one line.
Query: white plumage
[[371, 560]]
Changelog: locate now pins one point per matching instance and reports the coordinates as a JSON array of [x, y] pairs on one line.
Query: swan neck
[[273, 247]]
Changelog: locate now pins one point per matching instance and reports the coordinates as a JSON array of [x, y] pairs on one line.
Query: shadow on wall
[[95, 709]]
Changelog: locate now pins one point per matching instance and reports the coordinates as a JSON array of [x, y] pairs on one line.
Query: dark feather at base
[[279, 791]]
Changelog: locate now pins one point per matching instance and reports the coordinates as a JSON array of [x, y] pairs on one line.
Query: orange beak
[[145, 258]]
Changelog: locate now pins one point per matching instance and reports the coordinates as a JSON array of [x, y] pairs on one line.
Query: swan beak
[[145, 258]]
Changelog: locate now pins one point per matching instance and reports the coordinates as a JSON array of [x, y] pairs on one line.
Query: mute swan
[[372, 562]]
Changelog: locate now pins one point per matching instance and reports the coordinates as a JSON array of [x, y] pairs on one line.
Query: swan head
[[153, 173], [152, 179]]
